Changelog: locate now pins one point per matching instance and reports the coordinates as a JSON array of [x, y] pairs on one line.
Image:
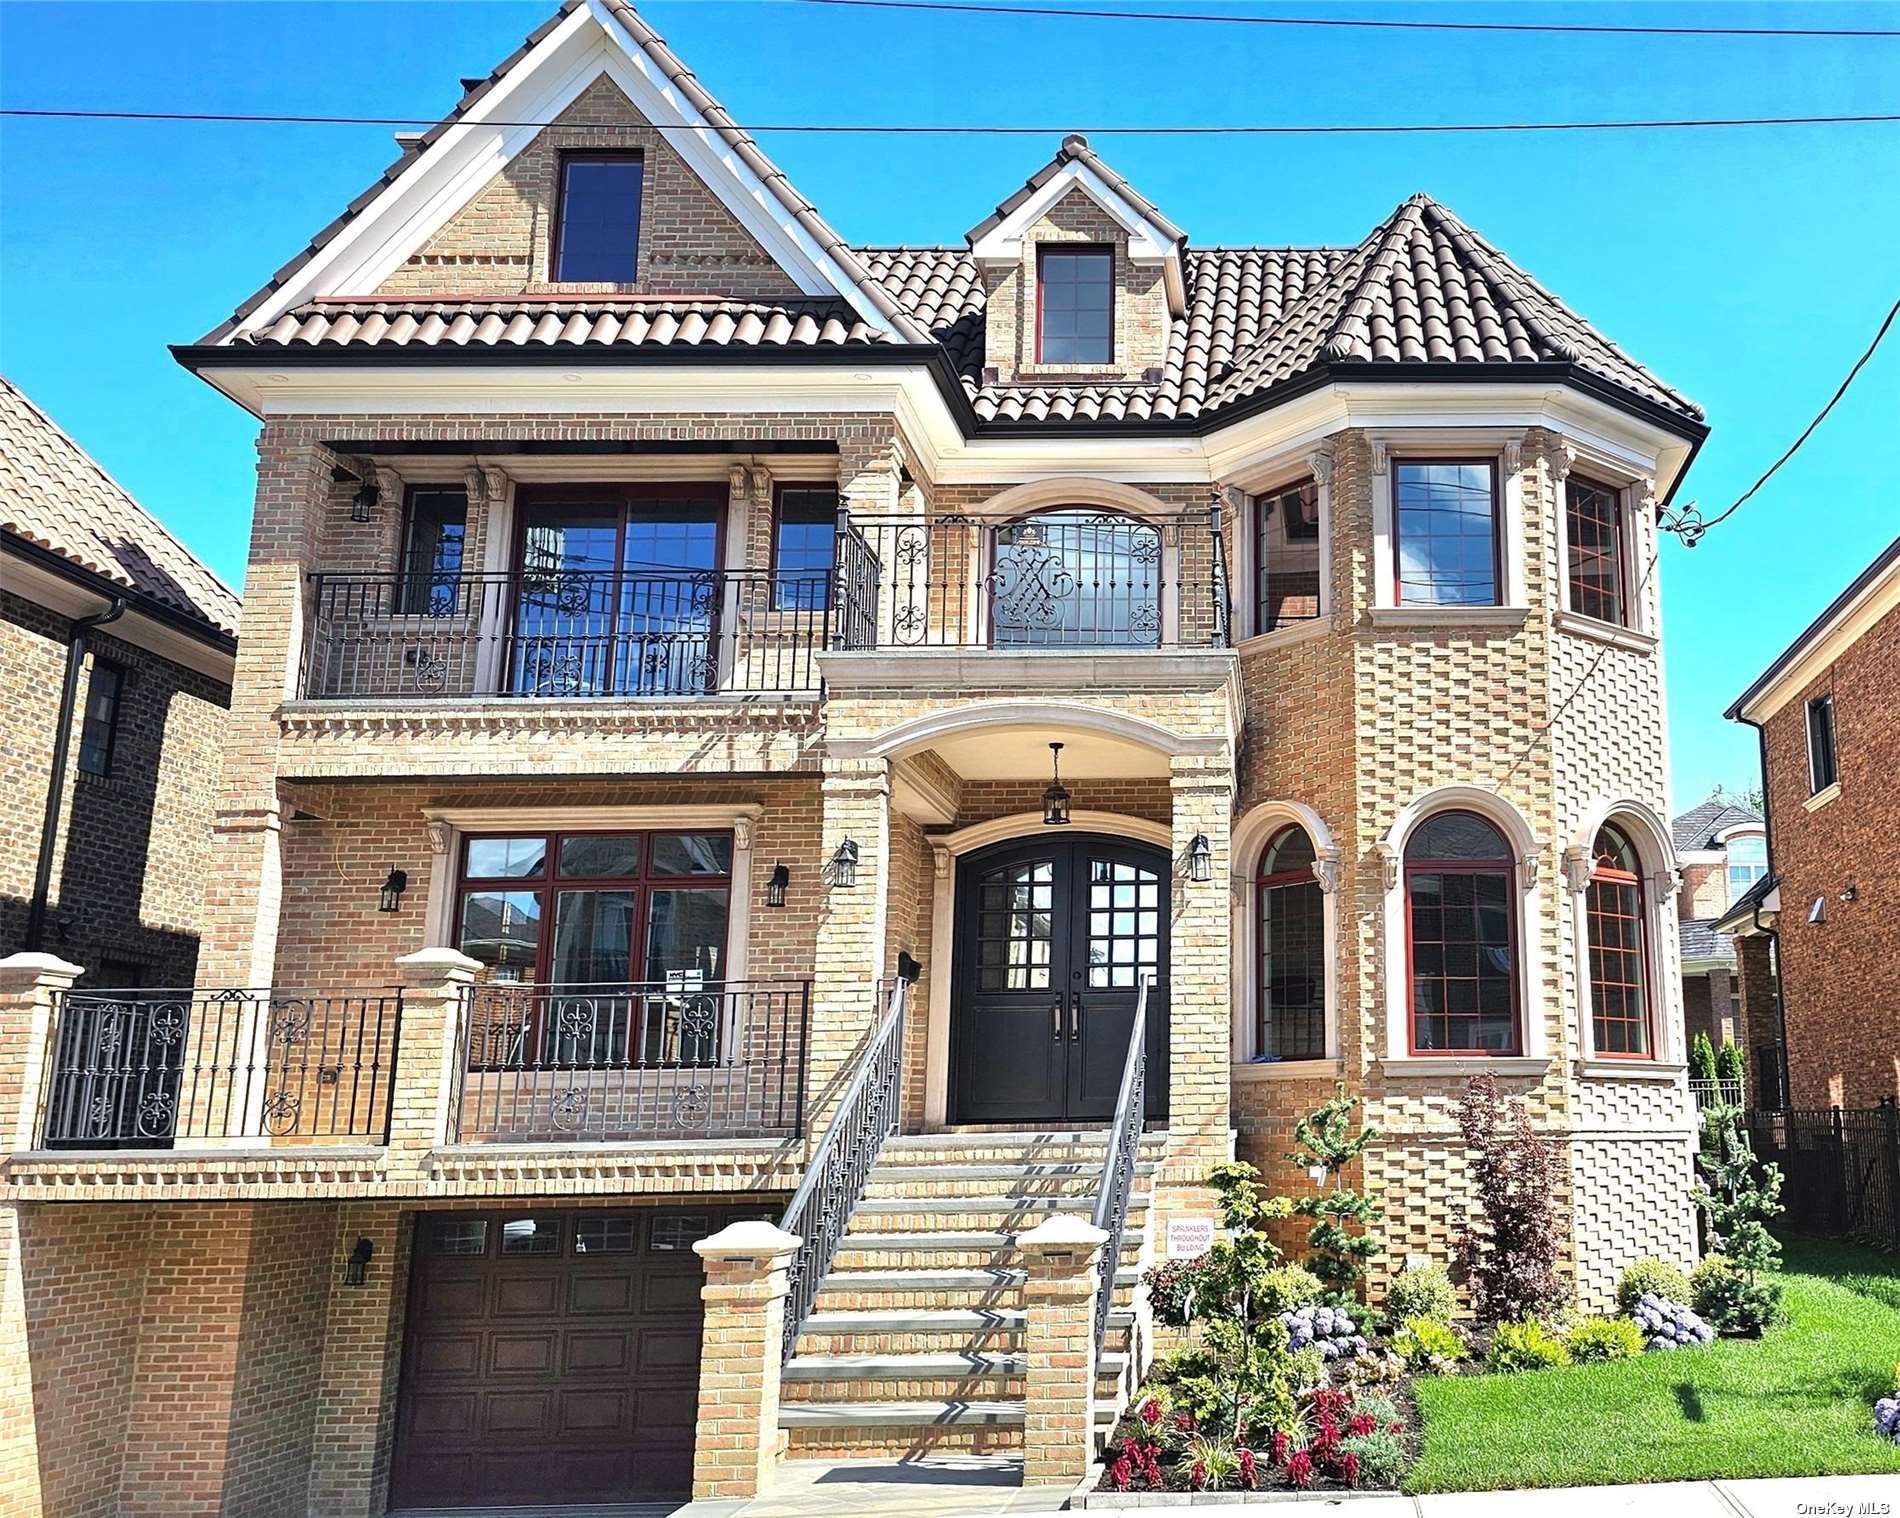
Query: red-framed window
[[1598, 565], [1447, 546], [1287, 556], [1461, 937], [1290, 995], [1619, 949], [597, 217], [1075, 305]]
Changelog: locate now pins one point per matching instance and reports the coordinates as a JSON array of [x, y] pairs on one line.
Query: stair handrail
[[1117, 1182], [834, 1181]]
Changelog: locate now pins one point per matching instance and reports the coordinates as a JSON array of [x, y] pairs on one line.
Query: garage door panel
[[520, 1413], [667, 1349], [443, 1415], [603, 1294], [516, 1354], [453, 1297], [657, 1408], [669, 1292], [597, 1350], [525, 1295], [457, 1354], [594, 1412]]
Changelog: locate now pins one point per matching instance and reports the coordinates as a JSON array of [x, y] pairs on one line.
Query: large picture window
[[1593, 524], [1445, 521], [1287, 556], [1291, 992], [1619, 957], [1461, 909]]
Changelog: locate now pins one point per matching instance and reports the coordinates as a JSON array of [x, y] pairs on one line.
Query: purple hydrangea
[[1887, 1417], [1330, 1329], [1669, 1325]]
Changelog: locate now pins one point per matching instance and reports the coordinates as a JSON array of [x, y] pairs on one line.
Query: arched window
[[1461, 939], [1291, 988], [1619, 958]]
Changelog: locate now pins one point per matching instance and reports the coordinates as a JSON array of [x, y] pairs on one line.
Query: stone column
[[851, 926], [435, 996], [1061, 1257], [30, 988], [1200, 991], [738, 1442], [362, 1354]]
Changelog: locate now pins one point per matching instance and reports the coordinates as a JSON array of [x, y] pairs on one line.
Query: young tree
[[1702, 1059], [1509, 1259], [1738, 1195], [1325, 1141]]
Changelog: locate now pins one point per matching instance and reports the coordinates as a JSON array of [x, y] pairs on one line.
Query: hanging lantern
[[1056, 801]]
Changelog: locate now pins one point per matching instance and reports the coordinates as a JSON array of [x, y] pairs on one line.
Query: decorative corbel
[[439, 836], [1389, 863], [1320, 461], [1381, 455], [475, 486], [742, 833], [1326, 870], [389, 483], [1562, 459], [761, 484], [1577, 865], [494, 484], [940, 863], [1231, 498], [1531, 864], [1513, 454], [739, 482]]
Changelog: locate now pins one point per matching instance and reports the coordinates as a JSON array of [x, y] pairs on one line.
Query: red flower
[[1395, 1428], [1349, 1468], [1278, 1447], [1299, 1469], [1362, 1423], [1197, 1478], [1184, 1422], [1150, 1411], [1121, 1473], [1249, 1470]]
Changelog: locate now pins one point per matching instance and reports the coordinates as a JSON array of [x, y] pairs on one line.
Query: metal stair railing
[[1117, 1184], [835, 1179]]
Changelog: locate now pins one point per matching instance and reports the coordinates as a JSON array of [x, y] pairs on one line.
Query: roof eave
[[1814, 631]]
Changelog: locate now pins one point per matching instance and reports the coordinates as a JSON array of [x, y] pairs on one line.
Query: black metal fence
[[673, 1059], [559, 634], [1840, 1169], [154, 1069]]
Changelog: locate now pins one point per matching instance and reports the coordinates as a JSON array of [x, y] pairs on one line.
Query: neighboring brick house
[[1723, 850], [1828, 710], [659, 623], [117, 887]]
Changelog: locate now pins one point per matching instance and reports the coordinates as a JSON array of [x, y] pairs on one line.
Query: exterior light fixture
[[1200, 859], [775, 887], [1056, 801], [394, 884], [908, 968], [844, 865], [364, 501], [357, 1271]]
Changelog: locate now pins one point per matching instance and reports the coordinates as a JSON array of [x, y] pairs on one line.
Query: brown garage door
[[551, 1357]]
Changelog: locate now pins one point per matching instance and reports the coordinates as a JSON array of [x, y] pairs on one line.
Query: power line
[[896, 129], [1548, 28]]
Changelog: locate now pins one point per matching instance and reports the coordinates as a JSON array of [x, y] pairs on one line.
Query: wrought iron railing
[[834, 1180], [673, 633], [1840, 1168], [153, 1069], [680, 1058], [1064, 579], [1718, 1093], [1117, 1182]]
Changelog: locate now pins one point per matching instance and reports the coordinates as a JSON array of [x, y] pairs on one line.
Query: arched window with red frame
[[1461, 937], [1290, 994], [1619, 949]]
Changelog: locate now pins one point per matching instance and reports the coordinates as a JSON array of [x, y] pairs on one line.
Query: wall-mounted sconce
[[364, 501], [394, 884], [844, 865], [775, 887], [908, 969], [1200, 859], [1056, 801], [357, 1271]]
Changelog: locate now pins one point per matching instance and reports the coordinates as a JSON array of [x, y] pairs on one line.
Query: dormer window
[[1075, 305], [597, 224]]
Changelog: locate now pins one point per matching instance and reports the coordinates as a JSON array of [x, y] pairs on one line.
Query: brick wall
[[1842, 1013], [128, 874], [1704, 891]]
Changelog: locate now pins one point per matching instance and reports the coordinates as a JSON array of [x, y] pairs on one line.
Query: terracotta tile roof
[[592, 322], [54, 496]]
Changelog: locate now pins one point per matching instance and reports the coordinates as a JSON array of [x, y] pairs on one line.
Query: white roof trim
[[453, 170], [1825, 644], [1004, 242]]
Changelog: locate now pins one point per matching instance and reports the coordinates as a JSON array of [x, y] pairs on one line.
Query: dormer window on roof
[[1075, 305], [597, 225]]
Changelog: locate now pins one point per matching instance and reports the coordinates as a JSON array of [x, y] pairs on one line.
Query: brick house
[[1722, 847], [116, 654], [712, 694], [1825, 712]]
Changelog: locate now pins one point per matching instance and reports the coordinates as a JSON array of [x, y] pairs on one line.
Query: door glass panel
[[531, 1236], [686, 933], [1015, 927], [692, 854], [457, 1236], [1124, 924], [604, 1233], [502, 929], [598, 858], [564, 612], [667, 604], [593, 937]]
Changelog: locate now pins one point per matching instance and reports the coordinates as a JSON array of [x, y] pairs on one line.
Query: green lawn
[[1797, 1403]]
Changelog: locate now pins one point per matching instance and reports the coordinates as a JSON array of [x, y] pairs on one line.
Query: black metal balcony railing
[[1058, 580], [679, 633], [153, 1069], [547, 1063]]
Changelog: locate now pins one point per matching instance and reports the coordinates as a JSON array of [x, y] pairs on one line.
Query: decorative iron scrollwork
[[692, 1105], [281, 1111]]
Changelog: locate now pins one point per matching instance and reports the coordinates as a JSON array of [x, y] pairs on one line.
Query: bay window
[[1446, 538], [1287, 556], [1461, 939]]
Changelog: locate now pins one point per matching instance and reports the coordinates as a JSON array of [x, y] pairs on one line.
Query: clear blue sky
[[1749, 267]]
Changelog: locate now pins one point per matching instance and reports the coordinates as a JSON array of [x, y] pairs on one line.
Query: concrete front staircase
[[916, 1341]]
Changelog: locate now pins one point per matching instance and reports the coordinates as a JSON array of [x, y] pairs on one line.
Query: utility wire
[[967, 7], [987, 129]]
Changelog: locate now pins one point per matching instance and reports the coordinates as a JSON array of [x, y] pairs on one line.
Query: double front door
[[1055, 935]]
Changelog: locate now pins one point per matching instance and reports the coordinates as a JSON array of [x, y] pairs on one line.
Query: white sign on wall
[[1188, 1238]]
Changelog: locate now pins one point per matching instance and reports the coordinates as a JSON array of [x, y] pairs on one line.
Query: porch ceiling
[[1023, 754]]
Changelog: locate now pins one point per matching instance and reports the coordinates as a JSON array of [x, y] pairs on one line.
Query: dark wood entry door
[[1053, 935], [551, 1357]]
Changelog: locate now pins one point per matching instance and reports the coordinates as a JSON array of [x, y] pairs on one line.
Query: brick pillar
[[738, 1442], [30, 987], [851, 928], [1200, 968], [1061, 1257], [362, 1355], [19, 1422], [435, 986]]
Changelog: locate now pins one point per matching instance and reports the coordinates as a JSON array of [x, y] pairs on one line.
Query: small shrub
[[1669, 1325], [1428, 1347], [1597, 1339], [1171, 1290], [1738, 1196], [1341, 1238], [1382, 1457], [1887, 1412], [1423, 1293], [1286, 1288], [1709, 1270], [1526, 1346], [1509, 1259], [1656, 1277], [1211, 1462], [1305, 1369], [1729, 1064], [1701, 1059]]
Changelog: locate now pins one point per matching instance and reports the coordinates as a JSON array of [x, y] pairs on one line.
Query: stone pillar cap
[[1064, 1231], [18, 970], [753, 1239], [437, 964]]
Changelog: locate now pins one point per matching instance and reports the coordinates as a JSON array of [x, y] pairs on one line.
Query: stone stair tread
[[1029, 1170], [1003, 1238], [930, 1319], [1079, 1203], [846, 1414], [923, 1366], [951, 1279]]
